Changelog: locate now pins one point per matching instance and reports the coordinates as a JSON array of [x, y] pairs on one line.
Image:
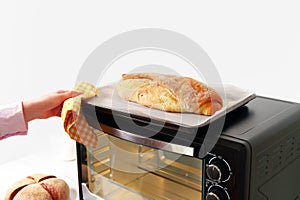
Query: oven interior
[[119, 169]]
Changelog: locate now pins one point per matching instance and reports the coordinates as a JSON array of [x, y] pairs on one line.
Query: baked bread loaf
[[39, 187], [169, 93]]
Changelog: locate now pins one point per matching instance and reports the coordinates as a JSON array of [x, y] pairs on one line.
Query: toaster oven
[[256, 157]]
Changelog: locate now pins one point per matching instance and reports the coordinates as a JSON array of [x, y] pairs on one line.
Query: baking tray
[[234, 97]]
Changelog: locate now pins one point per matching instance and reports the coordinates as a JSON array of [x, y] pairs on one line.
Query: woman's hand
[[47, 106]]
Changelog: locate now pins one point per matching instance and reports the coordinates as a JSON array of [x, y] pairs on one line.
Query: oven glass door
[[119, 169]]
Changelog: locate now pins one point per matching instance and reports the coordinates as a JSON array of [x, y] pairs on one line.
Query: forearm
[[12, 121], [31, 110]]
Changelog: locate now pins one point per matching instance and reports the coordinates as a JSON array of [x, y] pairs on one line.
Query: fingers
[[66, 94], [57, 111], [76, 93], [61, 91]]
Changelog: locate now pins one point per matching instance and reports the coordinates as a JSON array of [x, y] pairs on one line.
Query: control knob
[[218, 170], [217, 193]]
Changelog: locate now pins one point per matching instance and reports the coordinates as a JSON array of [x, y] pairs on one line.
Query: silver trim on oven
[[175, 148]]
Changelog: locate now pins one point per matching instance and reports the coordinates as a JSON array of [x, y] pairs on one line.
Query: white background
[[255, 45]]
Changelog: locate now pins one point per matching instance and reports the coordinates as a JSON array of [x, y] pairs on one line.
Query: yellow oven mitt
[[74, 122]]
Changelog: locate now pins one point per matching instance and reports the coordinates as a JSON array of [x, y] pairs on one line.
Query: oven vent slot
[[278, 156]]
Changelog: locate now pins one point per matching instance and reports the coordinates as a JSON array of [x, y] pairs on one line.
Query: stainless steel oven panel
[[157, 144]]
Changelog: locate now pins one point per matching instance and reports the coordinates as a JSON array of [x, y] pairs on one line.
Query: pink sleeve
[[12, 121]]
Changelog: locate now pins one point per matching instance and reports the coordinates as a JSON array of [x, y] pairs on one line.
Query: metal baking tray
[[234, 97]]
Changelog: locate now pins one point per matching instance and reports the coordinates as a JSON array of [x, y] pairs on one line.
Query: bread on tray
[[39, 187], [169, 93]]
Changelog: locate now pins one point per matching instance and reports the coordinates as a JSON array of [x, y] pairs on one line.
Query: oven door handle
[[150, 142]]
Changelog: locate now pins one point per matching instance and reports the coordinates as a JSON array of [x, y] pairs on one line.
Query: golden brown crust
[[40, 177], [39, 187], [58, 188], [173, 93], [33, 192], [15, 188]]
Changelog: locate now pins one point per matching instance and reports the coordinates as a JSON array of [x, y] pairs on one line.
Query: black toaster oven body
[[257, 156]]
